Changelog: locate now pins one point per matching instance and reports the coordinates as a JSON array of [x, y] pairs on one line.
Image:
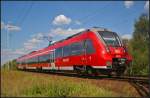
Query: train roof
[[91, 29], [94, 29]]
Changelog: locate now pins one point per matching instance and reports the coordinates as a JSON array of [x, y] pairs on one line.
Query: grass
[[19, 83]]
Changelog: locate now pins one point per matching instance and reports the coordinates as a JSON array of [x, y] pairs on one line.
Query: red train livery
[[93, 50]]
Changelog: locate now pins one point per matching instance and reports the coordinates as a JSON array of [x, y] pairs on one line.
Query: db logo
[[117, 51], [66, 60]]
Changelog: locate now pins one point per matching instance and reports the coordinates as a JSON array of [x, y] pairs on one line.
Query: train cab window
[[66, 51], [110, 38], [89, 46], [77, 48], [58, 52]]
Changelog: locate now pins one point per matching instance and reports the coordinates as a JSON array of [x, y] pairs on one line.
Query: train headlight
[[122, 61], [108, 63], [103, 52], [124, 50], [107, 49]]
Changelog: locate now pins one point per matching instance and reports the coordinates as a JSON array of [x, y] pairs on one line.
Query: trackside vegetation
[[138, 47], [27, 84]]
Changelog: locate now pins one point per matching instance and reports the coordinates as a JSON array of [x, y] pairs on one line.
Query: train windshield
[[110, 38]]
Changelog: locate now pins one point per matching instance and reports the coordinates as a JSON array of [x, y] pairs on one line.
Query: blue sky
[[27, 22]]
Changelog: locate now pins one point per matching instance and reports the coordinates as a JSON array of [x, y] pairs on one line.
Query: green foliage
[[139, 47], [62, 90], [11, 65]]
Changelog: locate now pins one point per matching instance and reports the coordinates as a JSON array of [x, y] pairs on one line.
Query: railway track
[[141, 83]]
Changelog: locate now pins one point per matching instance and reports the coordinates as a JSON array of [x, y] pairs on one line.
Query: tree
[[138, 46], [12, 65]]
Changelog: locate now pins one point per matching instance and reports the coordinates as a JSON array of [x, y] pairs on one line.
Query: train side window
[[36, 60], [89, 46], [52, 56], [66, 51], [17, 62], [41, 59], [58, 52], [32, 60], [44, 58], [29, 61], [77, 48], [47, 58], [23, 62]]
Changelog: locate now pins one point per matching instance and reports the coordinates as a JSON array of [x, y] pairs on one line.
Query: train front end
[[115, 55]]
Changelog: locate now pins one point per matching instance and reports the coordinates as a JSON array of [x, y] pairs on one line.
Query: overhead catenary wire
[[26, 14], [20, 14], [88, 17], [20, 23]]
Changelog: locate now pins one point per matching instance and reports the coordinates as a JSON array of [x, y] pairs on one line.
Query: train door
[[89, 50], [85, 53], [52, 60]]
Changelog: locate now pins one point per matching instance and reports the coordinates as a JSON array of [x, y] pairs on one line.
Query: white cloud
[[126, 36], [38, 36], [146, 7], [36, 41], [10, 27], [78, 22], [20, 51], [128, 4], [29, 46], [10, 52], [2, 25], [66, 32], [61, 20], [32, 43]]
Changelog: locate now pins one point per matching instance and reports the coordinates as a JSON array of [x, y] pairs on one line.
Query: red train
[[93, 50]]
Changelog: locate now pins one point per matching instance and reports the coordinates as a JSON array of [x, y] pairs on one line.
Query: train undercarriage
[[118, 68]]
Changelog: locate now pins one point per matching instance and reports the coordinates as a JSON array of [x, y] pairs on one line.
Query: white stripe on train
[[61, 68]]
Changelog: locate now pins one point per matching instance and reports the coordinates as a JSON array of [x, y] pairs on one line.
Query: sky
[[28, 25]]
